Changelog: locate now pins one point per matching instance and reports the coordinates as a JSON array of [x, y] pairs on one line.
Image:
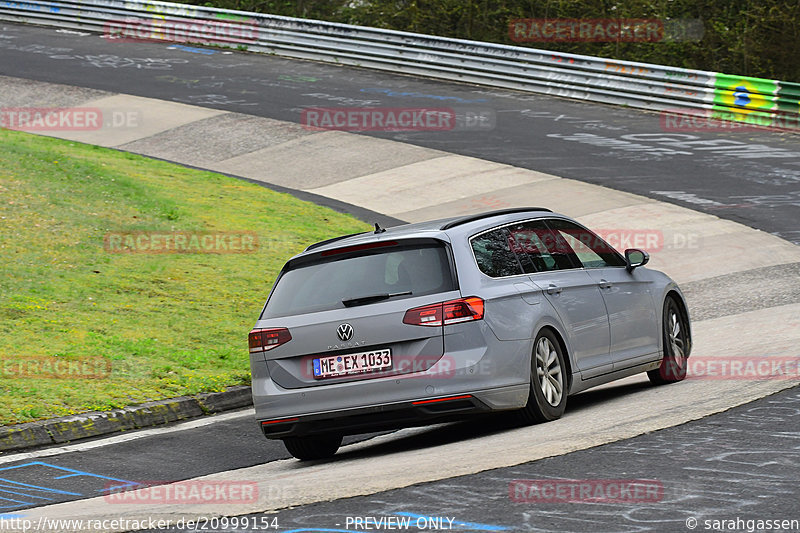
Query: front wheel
[[316, 447], [547, 398], [676, 346]]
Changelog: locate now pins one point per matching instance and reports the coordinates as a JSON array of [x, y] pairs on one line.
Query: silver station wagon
[[422, 323]]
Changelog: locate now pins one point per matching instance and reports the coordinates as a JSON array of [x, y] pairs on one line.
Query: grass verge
[[168, 324]]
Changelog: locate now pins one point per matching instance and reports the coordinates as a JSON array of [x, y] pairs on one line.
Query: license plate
[[353, 363]]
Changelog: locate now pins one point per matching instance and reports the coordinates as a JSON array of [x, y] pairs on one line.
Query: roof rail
[[328, 241], [472, 218]]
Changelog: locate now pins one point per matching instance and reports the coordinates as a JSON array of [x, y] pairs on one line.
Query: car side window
[[587, 248], [539, 248], [494, 256]]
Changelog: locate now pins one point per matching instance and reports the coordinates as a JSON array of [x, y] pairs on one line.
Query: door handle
[[605, 284], [553, 289]]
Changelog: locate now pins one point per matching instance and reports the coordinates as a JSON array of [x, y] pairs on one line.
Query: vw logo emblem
[[344, 332]]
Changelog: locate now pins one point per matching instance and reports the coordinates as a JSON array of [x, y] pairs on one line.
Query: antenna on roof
[[378, 229]]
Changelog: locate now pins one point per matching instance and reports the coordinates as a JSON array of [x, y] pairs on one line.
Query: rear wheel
[[547, 398], [316, 447], [676, 346]]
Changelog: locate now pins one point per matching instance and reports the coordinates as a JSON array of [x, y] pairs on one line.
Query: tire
[[547, 398], [675, 329], [310, 448]]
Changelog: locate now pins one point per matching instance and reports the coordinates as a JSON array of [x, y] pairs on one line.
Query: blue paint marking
[[192, 49], [12, 515], [21, 494], [741, 95], [32, 487], [73, 473], [29, 489], [457, 99], [471, 526], [31, 7]]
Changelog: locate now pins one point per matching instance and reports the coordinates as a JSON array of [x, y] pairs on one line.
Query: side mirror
[[635, 258]]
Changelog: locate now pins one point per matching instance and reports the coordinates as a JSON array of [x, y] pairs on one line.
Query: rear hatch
[[357, 312]]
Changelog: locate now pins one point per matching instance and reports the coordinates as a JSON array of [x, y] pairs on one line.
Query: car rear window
[[418, 269]]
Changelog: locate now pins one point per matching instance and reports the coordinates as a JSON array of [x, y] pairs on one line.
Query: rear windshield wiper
[[361, 300]]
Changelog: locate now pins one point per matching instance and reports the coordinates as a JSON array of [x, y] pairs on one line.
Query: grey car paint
[[608, 319]]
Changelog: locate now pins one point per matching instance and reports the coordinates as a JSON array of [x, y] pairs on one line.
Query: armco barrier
[[640, 85]]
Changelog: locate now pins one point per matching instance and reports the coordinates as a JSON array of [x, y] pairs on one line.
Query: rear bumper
[[376, 418], [495, 374], [384, 416]]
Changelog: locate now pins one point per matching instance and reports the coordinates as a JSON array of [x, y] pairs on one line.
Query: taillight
[[429, 315], [452, 312], [262, 340], [463, 310]]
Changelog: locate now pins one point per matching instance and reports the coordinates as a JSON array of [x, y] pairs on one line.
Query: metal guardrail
[[639, 85]]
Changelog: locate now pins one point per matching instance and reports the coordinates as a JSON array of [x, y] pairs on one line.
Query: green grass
[[171, 324]]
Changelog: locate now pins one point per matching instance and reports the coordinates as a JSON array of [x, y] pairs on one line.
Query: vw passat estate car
[[509, 310]]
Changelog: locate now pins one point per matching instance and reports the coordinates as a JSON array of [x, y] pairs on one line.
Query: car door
[[627, 295], [570, 290], [508, 300]]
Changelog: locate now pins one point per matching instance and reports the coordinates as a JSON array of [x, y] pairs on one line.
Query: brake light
[[262, 340], [463, 310], [451, 312], [358, 248]]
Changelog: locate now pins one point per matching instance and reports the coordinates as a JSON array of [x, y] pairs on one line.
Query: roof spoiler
[[329, 241], [473, 218]]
